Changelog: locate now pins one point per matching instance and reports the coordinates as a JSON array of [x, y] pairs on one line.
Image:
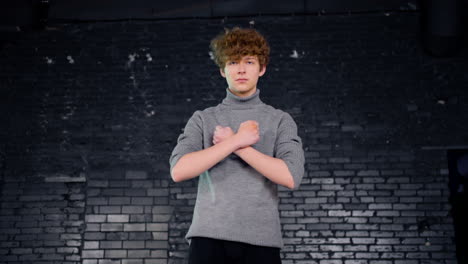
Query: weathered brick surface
[[129, 227], [90, 113], [41, 220]]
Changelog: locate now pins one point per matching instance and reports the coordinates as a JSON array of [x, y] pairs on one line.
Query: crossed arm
[[226, 142]]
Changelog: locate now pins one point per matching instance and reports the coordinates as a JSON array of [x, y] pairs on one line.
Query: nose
[[241, 68]]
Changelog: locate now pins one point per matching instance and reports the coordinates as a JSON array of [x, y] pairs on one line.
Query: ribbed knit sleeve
[[190, 140], [288, 147]]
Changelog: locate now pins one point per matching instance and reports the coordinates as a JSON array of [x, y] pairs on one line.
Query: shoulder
[[278, 113], [202, 114], [283, 119]]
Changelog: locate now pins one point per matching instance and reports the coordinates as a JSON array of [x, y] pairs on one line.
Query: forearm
[[273, 168], [193, 164]]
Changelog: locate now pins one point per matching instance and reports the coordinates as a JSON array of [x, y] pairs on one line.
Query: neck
[[245, 94], [242, 102]]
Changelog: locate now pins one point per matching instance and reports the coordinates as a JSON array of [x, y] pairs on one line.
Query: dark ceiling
[[443, 22], [25, 13]]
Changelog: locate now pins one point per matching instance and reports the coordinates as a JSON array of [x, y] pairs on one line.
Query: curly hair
[[235, 43]]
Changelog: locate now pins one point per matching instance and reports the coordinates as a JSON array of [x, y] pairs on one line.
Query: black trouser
[[214, 251]]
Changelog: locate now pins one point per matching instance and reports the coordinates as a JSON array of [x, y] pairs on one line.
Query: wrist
[[236, 142], [240, 151], [233, 142]]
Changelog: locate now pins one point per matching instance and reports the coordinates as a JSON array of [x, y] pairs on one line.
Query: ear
[[221, 70], [262, 71]]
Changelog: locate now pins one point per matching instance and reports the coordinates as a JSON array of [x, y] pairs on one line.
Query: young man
[[241, 149]]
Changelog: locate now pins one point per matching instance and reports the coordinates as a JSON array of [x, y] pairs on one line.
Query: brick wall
[[91, 112], [127, 215]]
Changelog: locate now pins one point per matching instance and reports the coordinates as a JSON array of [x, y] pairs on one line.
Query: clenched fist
[[248, 133], [221, 133]]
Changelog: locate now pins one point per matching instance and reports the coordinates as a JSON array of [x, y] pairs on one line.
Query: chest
[[268, 126]]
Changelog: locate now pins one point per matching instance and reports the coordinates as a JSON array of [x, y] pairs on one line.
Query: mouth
[[241, 80]]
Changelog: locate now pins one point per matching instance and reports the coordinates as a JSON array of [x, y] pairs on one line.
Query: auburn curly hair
[[233, 44]]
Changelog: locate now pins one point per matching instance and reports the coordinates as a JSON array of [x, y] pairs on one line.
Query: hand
[[221, 133], [248, 133]]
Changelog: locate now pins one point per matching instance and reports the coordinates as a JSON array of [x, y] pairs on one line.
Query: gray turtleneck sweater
[[234, 201]]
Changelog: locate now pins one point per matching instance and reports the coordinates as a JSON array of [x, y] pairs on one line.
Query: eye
[[232, 63]]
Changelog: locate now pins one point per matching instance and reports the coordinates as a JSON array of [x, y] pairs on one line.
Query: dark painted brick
[[364, 114]]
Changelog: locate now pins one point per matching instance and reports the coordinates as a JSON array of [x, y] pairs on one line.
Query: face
[[242, 76]]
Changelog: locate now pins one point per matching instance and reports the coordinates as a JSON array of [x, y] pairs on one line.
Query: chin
[[241, 90], [244, 90]]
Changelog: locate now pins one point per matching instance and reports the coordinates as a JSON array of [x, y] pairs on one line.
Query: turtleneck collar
[[242, 102]]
